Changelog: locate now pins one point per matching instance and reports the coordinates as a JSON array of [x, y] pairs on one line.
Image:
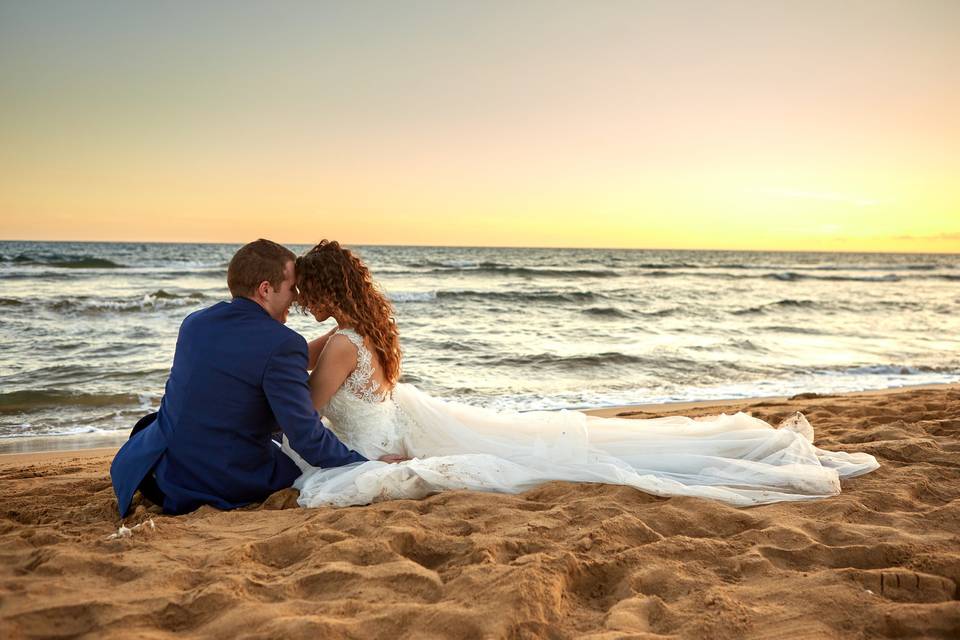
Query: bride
[[438, 445]]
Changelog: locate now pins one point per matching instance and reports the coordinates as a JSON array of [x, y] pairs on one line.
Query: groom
[[238, 375]]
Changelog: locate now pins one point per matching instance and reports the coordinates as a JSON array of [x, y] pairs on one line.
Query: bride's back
[[361, 412]]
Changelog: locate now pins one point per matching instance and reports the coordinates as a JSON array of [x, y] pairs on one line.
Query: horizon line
[[466, 246]]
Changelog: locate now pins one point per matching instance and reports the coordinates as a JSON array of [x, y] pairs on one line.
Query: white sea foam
[[412, 296]]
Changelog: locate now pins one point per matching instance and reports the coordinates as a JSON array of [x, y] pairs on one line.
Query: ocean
[[88, 329]]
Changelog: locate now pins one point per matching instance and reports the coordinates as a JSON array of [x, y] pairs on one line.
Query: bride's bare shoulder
[[339, 350]]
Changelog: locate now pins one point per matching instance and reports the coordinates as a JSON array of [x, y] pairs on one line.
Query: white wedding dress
[[737, 459]]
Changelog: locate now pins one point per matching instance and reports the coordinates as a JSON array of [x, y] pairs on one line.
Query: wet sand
[[561, 561]]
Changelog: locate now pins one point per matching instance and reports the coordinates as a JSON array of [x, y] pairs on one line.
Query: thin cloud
[[824, 196], [952, 235]]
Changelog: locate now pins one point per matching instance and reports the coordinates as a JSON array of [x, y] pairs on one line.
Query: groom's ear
[[264, 288]]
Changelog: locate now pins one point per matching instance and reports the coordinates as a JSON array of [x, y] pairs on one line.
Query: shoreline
[[77, 444], [638, 410]]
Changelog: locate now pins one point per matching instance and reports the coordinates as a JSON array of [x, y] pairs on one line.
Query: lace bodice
[[361, 415], [361, 381]]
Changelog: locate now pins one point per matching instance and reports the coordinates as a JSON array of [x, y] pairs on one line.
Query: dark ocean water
[[88, 329]]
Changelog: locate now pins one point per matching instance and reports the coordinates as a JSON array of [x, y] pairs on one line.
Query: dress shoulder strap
[[353, 337]]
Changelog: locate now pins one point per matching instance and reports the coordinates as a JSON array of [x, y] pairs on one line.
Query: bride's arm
[[336, 362]]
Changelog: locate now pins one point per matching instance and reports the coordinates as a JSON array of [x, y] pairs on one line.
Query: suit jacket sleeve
[[285, 385]]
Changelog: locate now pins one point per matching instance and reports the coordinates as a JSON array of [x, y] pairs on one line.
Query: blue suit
[[237, 376]]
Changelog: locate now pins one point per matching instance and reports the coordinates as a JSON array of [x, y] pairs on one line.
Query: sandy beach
[[561, 561]]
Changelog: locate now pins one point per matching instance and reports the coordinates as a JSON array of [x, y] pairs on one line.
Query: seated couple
[[241, 416]]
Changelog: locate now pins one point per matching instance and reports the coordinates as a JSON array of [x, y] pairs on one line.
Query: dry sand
[[564, 560]]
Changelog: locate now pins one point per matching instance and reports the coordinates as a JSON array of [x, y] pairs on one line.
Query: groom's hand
[[392, 458]]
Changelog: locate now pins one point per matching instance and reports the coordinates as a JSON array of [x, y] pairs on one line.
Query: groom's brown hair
[[256, 262]]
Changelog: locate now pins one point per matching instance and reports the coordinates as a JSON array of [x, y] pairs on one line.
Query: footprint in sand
[[903, 585], [399, 581]]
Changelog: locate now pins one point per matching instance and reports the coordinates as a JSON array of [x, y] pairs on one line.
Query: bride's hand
[[392, 458]]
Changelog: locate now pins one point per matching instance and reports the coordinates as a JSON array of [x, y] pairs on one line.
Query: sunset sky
[[801, 125]]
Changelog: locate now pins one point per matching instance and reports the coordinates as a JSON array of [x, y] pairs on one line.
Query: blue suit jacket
[[237, 376]]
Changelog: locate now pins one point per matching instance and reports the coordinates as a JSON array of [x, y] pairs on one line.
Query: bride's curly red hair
[[332, 275]]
